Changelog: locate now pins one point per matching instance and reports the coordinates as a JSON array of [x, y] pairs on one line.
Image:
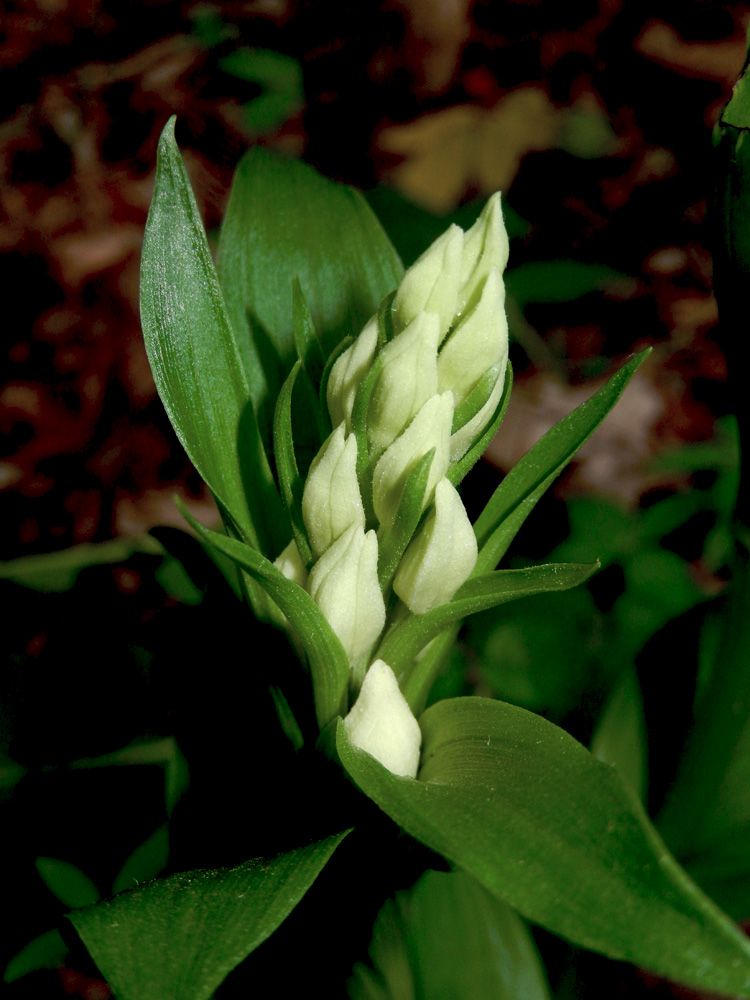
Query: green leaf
[[164, 752], [284, 221], [403, 642], [67, 882], [709, 800], [146, 861], [620, 735], [195, 358], [535, 818], [328, 662], [447, 938], [46, 951], [559, 280], [177, 938], [54, 572], [281, 78], [516, 496]]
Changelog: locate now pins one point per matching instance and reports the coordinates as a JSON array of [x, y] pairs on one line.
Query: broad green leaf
[[67, 882], [284, 221], [328, 662], [620, 735], [195, 358], [146, 862], [403, 641], [542, 824], [178, 938], [447, 938], [46, 951], [559, 280]]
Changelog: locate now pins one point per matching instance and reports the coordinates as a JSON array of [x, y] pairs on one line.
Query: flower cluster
[[407, 399]]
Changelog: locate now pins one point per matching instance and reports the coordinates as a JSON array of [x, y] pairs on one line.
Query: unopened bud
[[431, 284], [291, 565], [382, 724], [479, 342], [485, 247], [344, 585], [431, 428], [441, 556], [331, 501], [348, 371], [406, 381]]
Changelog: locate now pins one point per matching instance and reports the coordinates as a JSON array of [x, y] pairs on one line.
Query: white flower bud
[[291, 565], [464, 437], [441, 556], [382, 724], [479, 342], [348, 371], [485, 247], [406, 381], [344, 584], [431, 428], [431, 284], [331, 500]]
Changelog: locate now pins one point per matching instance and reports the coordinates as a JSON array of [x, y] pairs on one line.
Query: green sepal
[[539, 822], [392, 542], [329, 666], [403, 641], [459, 469], [290, 480], [516, 496]]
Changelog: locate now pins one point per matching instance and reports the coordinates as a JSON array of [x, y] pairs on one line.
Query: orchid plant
[[333, 404]]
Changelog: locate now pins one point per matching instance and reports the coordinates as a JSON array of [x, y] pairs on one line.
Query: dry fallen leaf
[[470, 148]]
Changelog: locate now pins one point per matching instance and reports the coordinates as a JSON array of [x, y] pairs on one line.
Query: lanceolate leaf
[[195, 359], [328, 662], [286, 464], [284, 221], [405, 640], [542, 824], [177, 938], [516, 496]]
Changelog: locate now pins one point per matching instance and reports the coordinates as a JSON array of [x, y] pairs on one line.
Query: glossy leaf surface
[[195, 358], [178, 938], [542, 824]]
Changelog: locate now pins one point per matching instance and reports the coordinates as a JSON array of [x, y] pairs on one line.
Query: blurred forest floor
[[594, 118]]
